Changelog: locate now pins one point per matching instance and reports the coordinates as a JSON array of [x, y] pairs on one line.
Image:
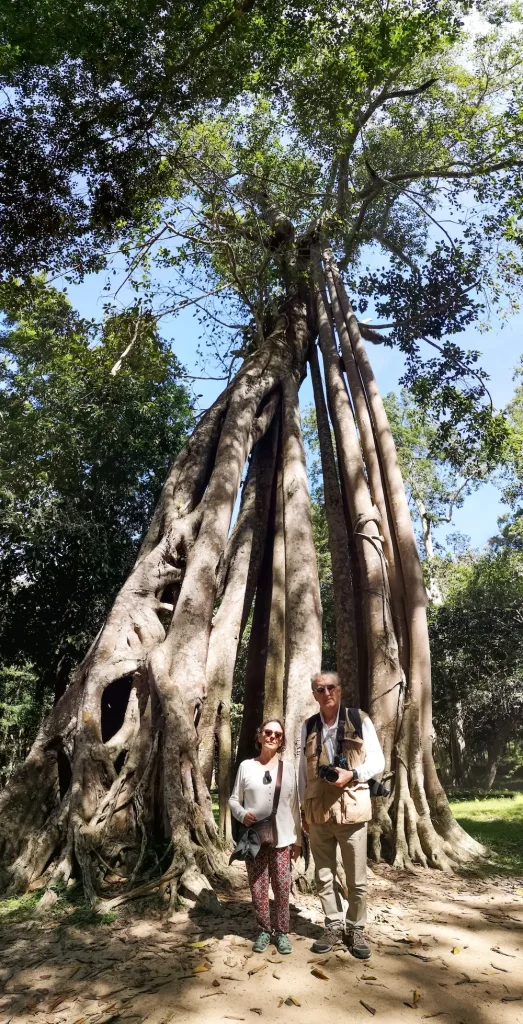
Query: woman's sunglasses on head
[[329, 688]]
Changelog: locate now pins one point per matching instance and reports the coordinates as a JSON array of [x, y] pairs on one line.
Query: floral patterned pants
[[276, 865]]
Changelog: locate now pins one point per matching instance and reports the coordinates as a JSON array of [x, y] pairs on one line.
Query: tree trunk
[[134, 771], [116, 763], [496, 750], [346, 643], [457, 744], [433, 590], [419, 796]]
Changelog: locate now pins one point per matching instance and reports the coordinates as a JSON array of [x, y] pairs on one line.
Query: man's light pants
[[352, 840]]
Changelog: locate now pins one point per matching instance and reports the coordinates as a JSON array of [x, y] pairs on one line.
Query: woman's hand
[[249, 818], [295, 852]]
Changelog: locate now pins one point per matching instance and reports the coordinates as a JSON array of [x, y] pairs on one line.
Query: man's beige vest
[[323, 802]]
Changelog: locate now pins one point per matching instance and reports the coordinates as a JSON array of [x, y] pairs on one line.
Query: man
[[336, 813]]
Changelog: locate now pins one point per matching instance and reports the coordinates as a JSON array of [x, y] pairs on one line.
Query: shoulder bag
[[266, 828]]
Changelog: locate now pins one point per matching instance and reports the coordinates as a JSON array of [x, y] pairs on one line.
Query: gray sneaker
[[332, 936], [357, 943]]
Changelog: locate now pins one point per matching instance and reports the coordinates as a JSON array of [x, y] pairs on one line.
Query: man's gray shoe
[[332, 936], [357, 943]]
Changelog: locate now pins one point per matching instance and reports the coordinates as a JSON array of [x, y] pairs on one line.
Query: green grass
[[70, 908], [498, 823]]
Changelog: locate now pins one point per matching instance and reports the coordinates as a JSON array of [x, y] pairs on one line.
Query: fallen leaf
[[200, 968], [255, 1009], [519, 892], [53, 1003], [260, 967], [277, 976], [216, 983], [280, 1002], [504, 970], [200, 945], [229, 977], [511, 999], [455, 950], [228, 1017], [494, 949], [319, 963], [440, 1013], [416, 996], [370, 1009], [207, 995], [466, 980], [318, 973], [271, 961], [292, 1001], [368, 977], [81, 1020]]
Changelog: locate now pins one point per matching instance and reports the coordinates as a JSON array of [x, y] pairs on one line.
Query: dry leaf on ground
[[318, 973], [254, 970], [292, 1001], [370, 1009]]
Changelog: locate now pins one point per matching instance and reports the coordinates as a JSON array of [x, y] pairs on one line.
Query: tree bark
[[302, 592], [439, 844], [346, 643]]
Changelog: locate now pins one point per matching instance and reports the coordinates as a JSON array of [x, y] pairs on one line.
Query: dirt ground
[[443, 947]]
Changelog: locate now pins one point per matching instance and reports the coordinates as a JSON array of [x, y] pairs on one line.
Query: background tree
[[379, 117], [437, 479], [477, 650]]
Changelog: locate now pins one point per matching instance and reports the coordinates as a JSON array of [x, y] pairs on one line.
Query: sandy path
[[458, 944]]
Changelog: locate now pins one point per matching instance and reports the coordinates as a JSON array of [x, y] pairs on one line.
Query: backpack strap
[[355, 719]]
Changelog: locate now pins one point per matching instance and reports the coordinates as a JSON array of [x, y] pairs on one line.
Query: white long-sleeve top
[[373, 764], [250, 793]]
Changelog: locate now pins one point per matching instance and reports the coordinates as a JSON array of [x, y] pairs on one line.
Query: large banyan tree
[[284, 219]]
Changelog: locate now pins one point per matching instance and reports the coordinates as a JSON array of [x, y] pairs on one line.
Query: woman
[[251, 800]]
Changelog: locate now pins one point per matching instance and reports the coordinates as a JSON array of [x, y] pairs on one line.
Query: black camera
[[329, 772]]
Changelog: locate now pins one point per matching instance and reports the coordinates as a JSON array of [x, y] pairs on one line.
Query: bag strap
[[355, 717], [277, 790]]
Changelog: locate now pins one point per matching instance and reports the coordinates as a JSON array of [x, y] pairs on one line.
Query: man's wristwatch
[[355, 776]]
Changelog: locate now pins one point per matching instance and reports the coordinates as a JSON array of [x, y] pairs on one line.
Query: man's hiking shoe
[[282, 943], [261, 942], [332, 936], [357, 944]]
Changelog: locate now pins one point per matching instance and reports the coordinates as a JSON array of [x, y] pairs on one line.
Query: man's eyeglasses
[[269, 733], [329, 688]]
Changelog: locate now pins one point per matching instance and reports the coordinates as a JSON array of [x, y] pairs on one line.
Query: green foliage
[[477, 646], [22, 705], [83, 454], [498, 823]]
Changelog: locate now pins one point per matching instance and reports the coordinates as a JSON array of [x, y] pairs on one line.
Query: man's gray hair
[[315, 679]]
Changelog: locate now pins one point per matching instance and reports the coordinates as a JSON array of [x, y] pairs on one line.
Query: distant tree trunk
[[457, 744], [434, 593], [496, 749]]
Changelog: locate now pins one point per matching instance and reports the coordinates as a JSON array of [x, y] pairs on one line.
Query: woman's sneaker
[[261, 942], [282, 943], [357, 943], [332, 936]]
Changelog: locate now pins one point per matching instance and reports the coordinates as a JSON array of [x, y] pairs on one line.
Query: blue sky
[[501, 348]]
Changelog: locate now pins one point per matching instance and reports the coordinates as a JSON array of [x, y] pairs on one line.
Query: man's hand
[[249, 819], [304, 824], [344, 777], [296, 851]]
